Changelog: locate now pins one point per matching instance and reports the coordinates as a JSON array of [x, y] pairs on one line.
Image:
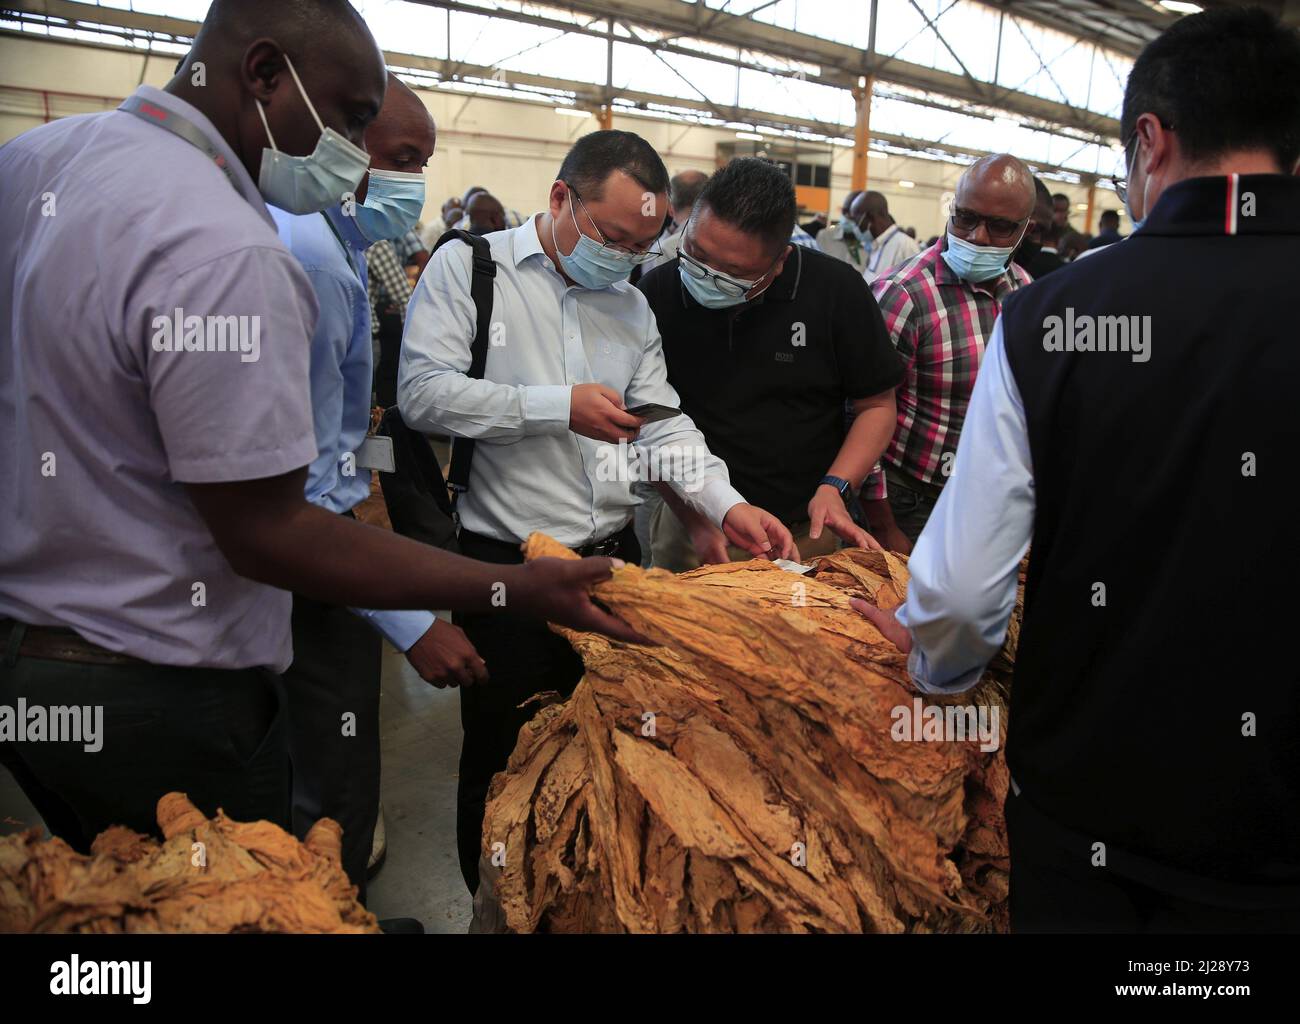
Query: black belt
[[606, 547]]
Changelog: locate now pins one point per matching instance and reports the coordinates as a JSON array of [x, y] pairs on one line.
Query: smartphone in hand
[[652, 413]]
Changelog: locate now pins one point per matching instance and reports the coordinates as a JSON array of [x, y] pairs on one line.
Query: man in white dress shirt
[[889, 245], [572, 347]]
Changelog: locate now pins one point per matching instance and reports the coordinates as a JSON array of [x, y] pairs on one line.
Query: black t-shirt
[[766, 382]]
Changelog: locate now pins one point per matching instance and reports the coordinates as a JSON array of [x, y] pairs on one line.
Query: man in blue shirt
[[333, 682]]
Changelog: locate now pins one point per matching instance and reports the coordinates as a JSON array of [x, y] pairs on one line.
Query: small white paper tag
[[376, 453], [790, 566]]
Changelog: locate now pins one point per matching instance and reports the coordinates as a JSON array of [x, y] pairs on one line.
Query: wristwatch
[[840, 484]]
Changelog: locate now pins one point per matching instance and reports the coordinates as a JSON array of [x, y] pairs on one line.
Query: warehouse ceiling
[[950, 78], [1123, 25]]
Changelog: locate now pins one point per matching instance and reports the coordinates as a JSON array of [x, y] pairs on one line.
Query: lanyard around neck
[[181, 128]]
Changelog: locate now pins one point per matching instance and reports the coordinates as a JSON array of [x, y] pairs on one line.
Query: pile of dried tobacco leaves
[[209, 875], [742, 777]]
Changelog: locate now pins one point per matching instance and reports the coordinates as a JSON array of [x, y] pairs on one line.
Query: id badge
[[376, 453]]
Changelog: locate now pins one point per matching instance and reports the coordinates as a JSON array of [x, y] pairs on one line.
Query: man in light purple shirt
[[154, 400]]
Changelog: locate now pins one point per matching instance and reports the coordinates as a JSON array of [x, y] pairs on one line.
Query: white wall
[[513, 148]]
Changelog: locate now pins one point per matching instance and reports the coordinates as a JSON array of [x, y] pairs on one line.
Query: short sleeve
[[867, 360], [227, 359], [895, 305]]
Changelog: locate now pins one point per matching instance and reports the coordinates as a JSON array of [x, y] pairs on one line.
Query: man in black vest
[[1131, 409]]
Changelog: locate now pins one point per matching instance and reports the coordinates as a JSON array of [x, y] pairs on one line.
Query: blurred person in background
[[485, 213], [1032, 255], [887, 245], [1069, 242], [844, 240]]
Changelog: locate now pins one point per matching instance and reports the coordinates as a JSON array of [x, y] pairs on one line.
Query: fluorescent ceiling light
[[1180, 7], [904, 183], [751, 135], [1080, 206], [572, 112]]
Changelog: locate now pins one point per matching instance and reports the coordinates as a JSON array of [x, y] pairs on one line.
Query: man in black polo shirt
[[765, 342], [1128, 409]]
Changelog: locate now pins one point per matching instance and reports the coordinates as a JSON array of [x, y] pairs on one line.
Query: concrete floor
[[420, 733]]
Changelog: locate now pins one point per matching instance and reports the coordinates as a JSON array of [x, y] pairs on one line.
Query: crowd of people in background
[[195, 563]]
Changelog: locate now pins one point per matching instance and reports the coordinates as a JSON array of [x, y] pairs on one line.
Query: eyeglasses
[[636, 256], [733, 286], [1121, 184], [998, 227]]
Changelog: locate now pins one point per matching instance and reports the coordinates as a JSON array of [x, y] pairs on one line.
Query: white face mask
[[309, 184]]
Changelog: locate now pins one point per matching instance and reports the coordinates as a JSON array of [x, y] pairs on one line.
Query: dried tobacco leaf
[[743, 775], [208, 875]]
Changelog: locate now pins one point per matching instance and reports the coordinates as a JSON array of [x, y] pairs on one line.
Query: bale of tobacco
[[207, 875], [764, 766]]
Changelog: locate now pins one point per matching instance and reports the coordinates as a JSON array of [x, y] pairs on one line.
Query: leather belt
[[55, 643], [606, 548]]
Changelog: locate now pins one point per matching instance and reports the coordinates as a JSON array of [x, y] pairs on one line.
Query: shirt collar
[[244, 184], [1235, 204], [525, 241], [347, 229]]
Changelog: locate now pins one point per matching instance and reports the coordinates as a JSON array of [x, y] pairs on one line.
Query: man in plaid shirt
[[390, 291], [939, 307]]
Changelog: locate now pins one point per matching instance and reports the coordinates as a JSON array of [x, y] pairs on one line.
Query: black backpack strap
[[484, 271], [415, 493]]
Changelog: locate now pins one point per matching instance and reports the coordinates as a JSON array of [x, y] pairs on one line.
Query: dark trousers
[[523, 657], [333, 717], [1056, 888], [217, 735], [911, 502]]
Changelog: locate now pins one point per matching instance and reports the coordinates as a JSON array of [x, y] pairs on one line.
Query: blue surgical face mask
[[590, 264], [394, 201], [862, 234], [976, 263], [309, 184], [706, 292], [1136, 222]]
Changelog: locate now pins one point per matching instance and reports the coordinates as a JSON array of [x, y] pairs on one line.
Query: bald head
[[999, 189], [240, 61], [1000, 180], [485, 214], [403, 136], [871, 210]]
